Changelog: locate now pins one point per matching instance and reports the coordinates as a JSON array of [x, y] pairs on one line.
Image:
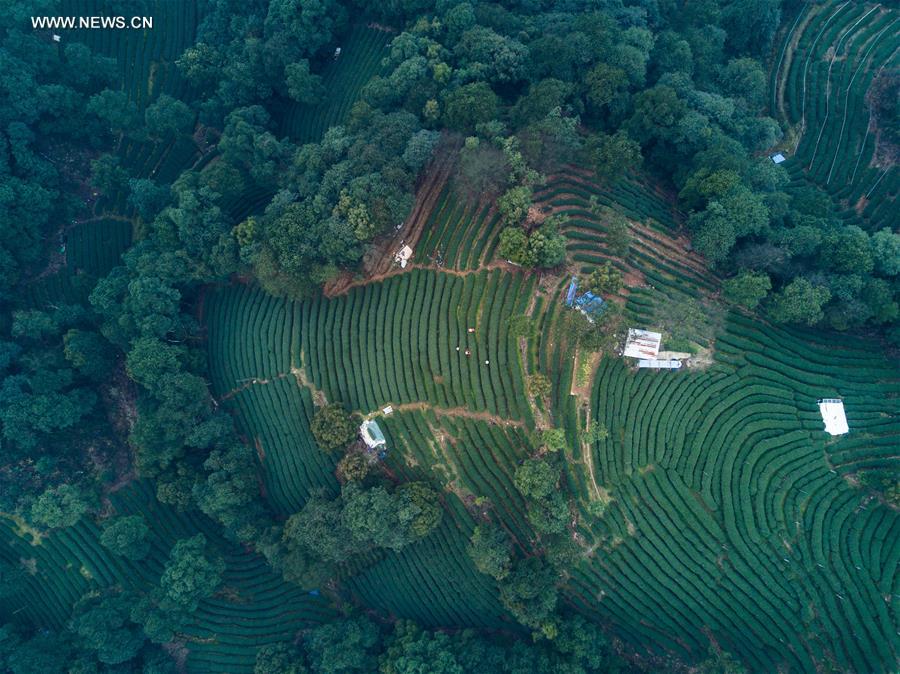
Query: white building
[[403, 256], [832, 411], [667, 364], [642, 344], [371, 434], [778, 158]]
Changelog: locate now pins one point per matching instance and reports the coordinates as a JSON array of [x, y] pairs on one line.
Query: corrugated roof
[[642, 344], [667, 364]]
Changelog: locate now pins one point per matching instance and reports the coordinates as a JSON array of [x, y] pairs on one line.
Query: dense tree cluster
[[356, 644], [329, 531]]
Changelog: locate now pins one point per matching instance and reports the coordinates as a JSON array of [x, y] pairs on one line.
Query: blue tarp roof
[[570, 294], [590, 303]]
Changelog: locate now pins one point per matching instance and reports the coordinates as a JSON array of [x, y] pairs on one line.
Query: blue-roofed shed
[[590, 305], [570, 293]]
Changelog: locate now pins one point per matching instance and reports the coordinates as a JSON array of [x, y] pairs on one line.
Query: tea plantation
[[293, 374]]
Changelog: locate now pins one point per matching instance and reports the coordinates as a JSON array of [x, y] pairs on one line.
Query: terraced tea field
[[730, 511], [829, 57], [255, 605]]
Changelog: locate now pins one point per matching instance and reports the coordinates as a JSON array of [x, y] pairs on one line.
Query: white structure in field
[[668, 364], [642, 344], [371, 434], [832, 410], [403, 256], [778, 158]]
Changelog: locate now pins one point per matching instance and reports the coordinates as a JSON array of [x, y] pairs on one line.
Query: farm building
[[778, 158], [832, 411], [642, 344], [371, 434], [659, 364], [588, 303], [403, 256], [570, 293]]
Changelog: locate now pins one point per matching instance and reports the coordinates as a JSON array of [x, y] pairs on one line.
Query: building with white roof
[[642, 344], [403, 256], [832, 411], [371, 434], [661, 364]]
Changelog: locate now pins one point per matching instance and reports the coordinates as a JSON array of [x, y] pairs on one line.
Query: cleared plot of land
[[829, 57]]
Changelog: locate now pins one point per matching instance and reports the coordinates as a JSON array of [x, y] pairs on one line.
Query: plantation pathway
[[331, 293], [379, 260], [457, 412], [247, 383]]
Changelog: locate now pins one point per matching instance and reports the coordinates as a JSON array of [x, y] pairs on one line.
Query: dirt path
[[247, 383], [396, 271], [457, 412], [379, 259]]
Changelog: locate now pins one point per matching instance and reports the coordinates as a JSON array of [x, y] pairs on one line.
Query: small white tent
[[778, 158], [832, 410]]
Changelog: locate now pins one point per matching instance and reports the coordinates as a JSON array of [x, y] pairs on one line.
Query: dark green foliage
[[799, 302], [421, 507], [342, 647], [279, 659], [604, 280], [536, 478], [470, 105], [102, 624], [632, 522], [529, 592], [490, 550], [747, 289], [353, 467], [127, 536], [376, 517], [332, 427], [168, 116], [318, 528], [543, 247], [61, 506], [191, 574]]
